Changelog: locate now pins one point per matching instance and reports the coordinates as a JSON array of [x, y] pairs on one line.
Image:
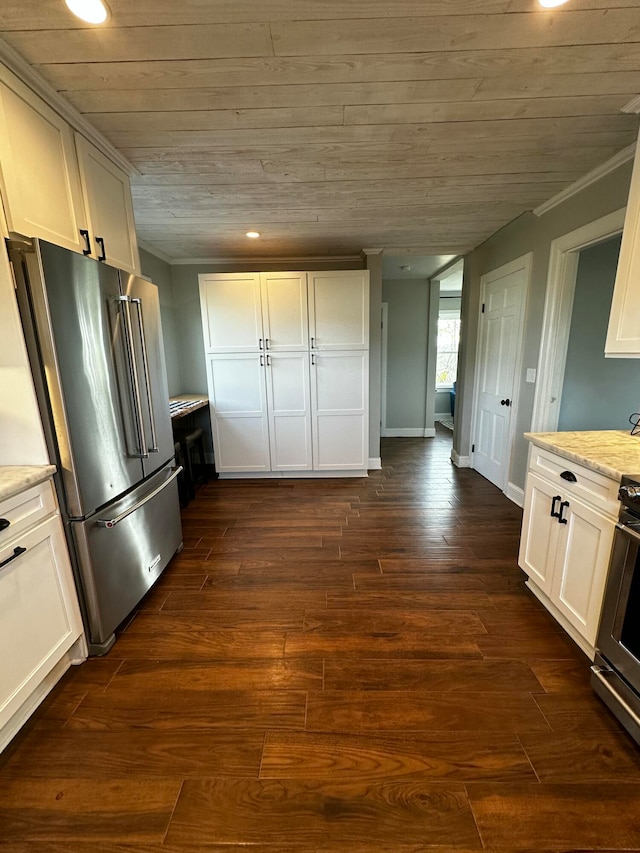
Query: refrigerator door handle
[[124, 302], [145, 371], [112, 522]]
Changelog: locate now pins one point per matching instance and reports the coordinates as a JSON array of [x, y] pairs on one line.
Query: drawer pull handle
[[569, 476], [4, 523], [16, 553], [554, 511], [561, 518]]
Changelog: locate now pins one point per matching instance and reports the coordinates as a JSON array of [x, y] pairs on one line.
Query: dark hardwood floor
[[346, 665]]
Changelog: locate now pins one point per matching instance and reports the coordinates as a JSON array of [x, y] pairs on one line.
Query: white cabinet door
[[340, 409], [339, 310], [540, 531], [623, 334], [289, 405], [284, 311], [581, 566], [238, 401], [39, 615], [109, 209], [231, 312], [42, 190]]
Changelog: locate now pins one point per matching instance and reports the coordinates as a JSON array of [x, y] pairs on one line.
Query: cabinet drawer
[[39, 616], [594, 488], [26, 510]]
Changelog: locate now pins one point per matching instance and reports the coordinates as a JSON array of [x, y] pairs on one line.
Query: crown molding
[[585, 181], [21, 69], [366, 252], [302, 261], [633, 106], [157, 253]]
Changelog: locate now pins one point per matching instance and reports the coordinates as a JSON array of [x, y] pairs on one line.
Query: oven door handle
[[599, 672], [628, 532]]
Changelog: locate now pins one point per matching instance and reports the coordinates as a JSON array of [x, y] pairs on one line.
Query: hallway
[[349, 665]]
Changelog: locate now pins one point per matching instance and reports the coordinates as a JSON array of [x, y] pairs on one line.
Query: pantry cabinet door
[[41, 184], [284, 311], [540, 531], [231, 312], [339, 310], [289, 403], [581, 567], [109, 208], [238, 403], [340, 410]]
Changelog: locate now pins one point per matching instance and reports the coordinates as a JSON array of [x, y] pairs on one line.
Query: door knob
[[505, 403]]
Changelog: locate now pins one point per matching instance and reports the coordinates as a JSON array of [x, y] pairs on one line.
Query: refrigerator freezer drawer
[[123, 549]]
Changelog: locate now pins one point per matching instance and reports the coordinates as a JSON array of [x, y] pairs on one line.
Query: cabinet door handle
[[268, 361], [266, 343], [16, 553], [259, 343], [261, 361], [561, 518], [103, 255], [554, 511], [4, 523], [87, 242], [313, 359], [313, 343]]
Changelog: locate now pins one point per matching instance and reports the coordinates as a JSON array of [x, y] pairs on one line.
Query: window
[[448, 341]]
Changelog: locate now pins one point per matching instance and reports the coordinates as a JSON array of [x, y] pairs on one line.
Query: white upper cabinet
[[623, 335], [41, 190], [231, 312], [339, 310], [284, 311], [59, 187], [109, 209]]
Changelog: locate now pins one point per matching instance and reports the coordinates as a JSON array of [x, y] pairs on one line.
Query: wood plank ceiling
[[331, 125]]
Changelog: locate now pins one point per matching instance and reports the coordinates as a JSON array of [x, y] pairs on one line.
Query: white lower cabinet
[[340, 409], [566, 545], [238, 402], [39, 615], [289, 411]]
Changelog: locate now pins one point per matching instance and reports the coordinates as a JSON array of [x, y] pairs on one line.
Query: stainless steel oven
[[616, 672]]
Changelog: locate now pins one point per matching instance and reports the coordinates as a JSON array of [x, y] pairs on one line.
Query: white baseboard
[[460, 461], [408, 432], [374, 464], [291, 475], [515, 494]]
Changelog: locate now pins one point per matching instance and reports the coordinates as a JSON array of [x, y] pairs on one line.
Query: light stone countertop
[[16, 478], [609, 452]]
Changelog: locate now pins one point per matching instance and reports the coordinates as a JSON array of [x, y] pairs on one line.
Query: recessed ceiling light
[[253, 234], [550, 4], [405, 268], [91, 11]]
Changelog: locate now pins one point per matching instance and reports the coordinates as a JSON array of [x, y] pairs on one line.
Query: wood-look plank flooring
[[340, 665]]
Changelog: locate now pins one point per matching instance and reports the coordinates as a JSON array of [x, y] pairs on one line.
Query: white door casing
[[289, 408], [238, 404], [498, 364]]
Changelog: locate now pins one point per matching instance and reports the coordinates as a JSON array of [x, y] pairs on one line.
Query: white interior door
[[289, 401], [284, 311], [339, 310], [238, 400], [231, 312], [340, 410], [501, 324]]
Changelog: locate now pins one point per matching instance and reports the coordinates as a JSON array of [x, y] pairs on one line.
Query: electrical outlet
[[531, 374]]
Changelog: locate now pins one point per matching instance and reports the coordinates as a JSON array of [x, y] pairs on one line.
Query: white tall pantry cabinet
[[288, 371]]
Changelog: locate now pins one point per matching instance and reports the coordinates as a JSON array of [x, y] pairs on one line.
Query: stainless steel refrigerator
[[95, 344]]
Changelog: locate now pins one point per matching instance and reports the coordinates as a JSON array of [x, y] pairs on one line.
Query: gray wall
[[526, 234], [407, 346], [160, 274], [598, 392], [443, 403]]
